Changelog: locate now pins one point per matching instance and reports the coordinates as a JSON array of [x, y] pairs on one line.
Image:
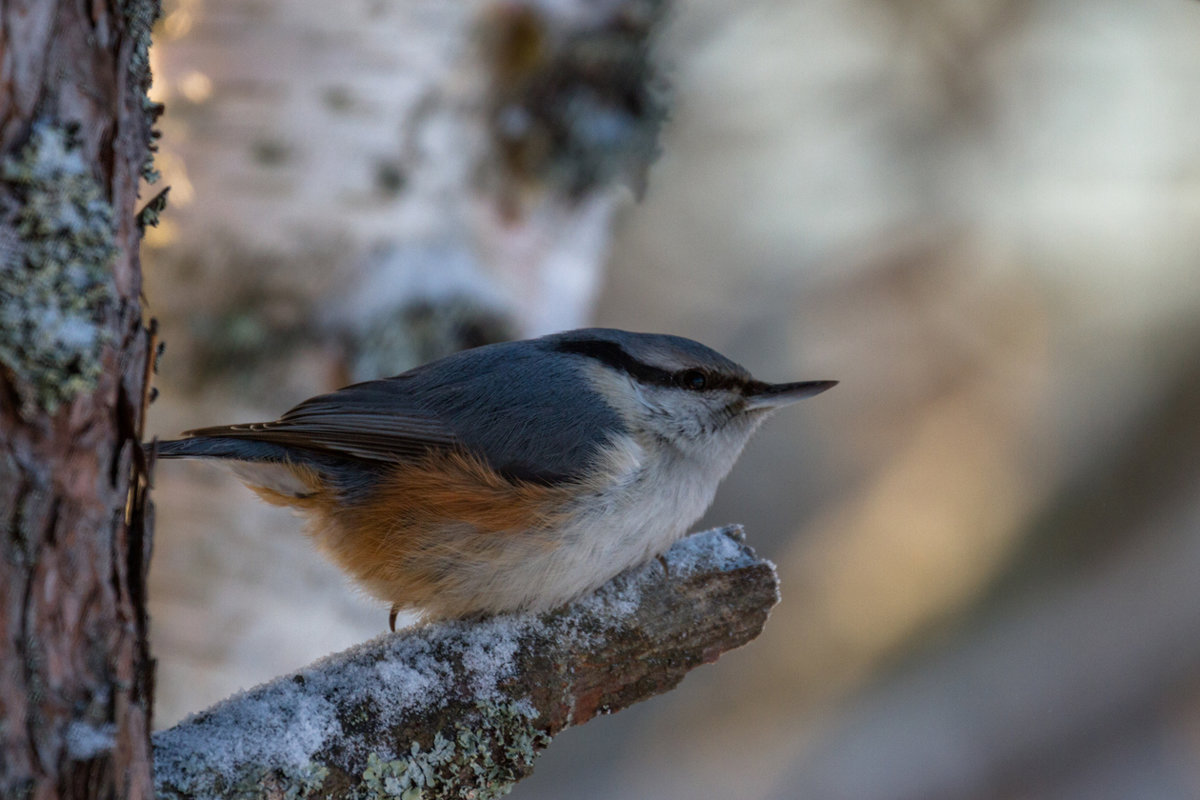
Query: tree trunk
[[75, 128]]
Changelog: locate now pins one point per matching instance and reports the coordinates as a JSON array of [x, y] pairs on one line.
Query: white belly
[[632, 519]]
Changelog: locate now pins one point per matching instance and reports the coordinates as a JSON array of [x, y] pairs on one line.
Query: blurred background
[[981, 216]]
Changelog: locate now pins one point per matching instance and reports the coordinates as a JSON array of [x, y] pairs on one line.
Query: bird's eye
[[693, 379]]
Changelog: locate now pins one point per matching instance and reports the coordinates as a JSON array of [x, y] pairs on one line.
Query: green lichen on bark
[[149, 215], [253, 782], [56, 253], [491, 749], [140, 16]]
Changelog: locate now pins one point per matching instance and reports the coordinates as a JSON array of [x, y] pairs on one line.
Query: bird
[[512, 477]]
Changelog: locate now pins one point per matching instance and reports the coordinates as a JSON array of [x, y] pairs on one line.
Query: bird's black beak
[[767, 396]]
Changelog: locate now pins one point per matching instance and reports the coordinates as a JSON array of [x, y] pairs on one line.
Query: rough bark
[[75, 129], [461, 709]]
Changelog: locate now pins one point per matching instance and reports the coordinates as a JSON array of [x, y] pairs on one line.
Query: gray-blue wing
[[525, 415], [363, 421]]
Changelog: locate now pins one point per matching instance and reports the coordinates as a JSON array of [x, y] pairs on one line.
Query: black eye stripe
[[614, 355]]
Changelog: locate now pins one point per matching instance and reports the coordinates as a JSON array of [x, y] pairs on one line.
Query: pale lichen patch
[[56, 253], [492, 747]]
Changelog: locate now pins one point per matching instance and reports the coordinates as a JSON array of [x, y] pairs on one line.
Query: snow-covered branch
[[460, 709]]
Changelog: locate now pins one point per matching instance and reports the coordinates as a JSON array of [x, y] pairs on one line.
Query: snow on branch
[[460, 709]]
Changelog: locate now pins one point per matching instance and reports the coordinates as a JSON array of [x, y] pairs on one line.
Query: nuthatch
[[515, 476]]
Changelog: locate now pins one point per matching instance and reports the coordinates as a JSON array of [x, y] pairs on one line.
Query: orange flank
[[413, 539]]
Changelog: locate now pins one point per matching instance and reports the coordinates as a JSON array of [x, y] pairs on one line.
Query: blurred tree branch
[[460, 709]]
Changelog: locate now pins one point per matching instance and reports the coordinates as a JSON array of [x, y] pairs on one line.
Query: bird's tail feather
[[219, 447]]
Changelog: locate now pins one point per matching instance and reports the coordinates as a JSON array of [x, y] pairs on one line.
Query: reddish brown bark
[[75, 673]]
